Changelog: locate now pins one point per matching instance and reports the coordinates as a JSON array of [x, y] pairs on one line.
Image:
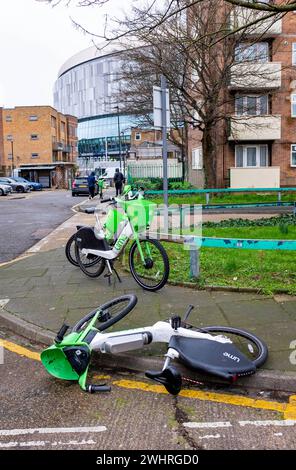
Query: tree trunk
[[209, 158]]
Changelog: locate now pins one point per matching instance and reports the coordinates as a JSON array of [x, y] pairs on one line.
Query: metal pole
[[106, 148], [164, 149], [12, 158], [119, 137]]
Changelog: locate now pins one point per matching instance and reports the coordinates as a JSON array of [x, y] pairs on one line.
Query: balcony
[[60, 147], [241, 17], [252, 75], [255, 128]]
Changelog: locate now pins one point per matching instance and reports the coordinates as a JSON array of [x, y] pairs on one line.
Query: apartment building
[[39, 143], [257, 142]]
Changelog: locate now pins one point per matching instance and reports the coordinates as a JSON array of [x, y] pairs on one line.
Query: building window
[[34, 137], [33, 117], [53, 122], [9, 156], [8, 119], [293, 105], [138, 136], [34, 155], [63, 127], [293, 155], [258, 52], [251, 156], [9, 137], [251, 105], [197, 160]]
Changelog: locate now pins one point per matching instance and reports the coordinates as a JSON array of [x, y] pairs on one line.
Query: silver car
[[5, 189], [15, 185]]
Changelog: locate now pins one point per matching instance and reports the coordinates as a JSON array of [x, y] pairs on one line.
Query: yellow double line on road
[[288, 409]]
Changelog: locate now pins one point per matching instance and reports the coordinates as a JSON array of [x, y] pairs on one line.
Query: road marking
[[211, 436], [19, 350], [287, 422], [22, 432], [3, 302], [228, 424], [193, 425], [12, 444], [288, 409]]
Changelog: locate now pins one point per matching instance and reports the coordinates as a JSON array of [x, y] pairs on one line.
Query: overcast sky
[[35, 40]]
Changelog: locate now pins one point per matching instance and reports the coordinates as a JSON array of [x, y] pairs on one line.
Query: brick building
[[257, 143], [38, 142], [147, 144]]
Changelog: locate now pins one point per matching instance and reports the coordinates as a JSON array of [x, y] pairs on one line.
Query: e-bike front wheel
[[152, 273], [249, 344], [111, 312]]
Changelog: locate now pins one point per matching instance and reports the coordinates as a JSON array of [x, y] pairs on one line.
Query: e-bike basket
[[140, 213]]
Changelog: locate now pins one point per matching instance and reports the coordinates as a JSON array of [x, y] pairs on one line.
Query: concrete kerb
[[263, 380]]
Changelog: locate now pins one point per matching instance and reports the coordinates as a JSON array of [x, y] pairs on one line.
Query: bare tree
[[200, 63]]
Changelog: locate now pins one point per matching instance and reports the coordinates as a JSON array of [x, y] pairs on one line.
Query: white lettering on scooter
[[230, 356]]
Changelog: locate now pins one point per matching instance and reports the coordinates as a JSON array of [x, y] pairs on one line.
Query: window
[[138, 136], [34, 137], [35, 155], [9, 156], [294, 53], [9, 137], [251, 105], [8, 119], [197, 160], [53, 122], [293, 155], [258, 52], [33, 117], [63, 127], [293, 105], [251, 156]]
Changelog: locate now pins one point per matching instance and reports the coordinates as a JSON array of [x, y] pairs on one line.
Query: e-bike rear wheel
[[249, 344], [92, 266], [111, 313], [153, 274], [70, 250]]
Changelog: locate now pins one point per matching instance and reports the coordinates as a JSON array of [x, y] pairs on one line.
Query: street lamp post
[[119, 136]]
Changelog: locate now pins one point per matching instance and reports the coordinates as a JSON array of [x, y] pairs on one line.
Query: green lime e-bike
[[96, 248], [220, 351]]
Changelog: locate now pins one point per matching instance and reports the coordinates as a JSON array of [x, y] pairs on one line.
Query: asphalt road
[[39, 412], [27, 220]]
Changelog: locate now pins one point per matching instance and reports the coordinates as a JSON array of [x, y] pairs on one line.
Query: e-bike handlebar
[[97, 388], [60, 336]]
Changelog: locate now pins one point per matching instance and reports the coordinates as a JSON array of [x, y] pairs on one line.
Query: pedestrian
[[91, 181], [118, 180], [101, 187]]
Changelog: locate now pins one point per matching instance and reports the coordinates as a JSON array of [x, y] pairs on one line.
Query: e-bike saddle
[[211, 357]]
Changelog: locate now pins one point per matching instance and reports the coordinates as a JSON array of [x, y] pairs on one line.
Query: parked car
[[80, 186], [15, 185], [34, 186], [5, 189]]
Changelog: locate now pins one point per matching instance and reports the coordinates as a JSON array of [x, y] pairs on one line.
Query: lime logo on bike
[[121, 242], [230, 356]]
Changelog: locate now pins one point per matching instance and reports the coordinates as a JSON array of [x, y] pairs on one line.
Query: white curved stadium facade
[[86, 83], [87, 87]]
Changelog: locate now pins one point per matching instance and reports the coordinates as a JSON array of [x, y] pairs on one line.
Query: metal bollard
[[194, 256]]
